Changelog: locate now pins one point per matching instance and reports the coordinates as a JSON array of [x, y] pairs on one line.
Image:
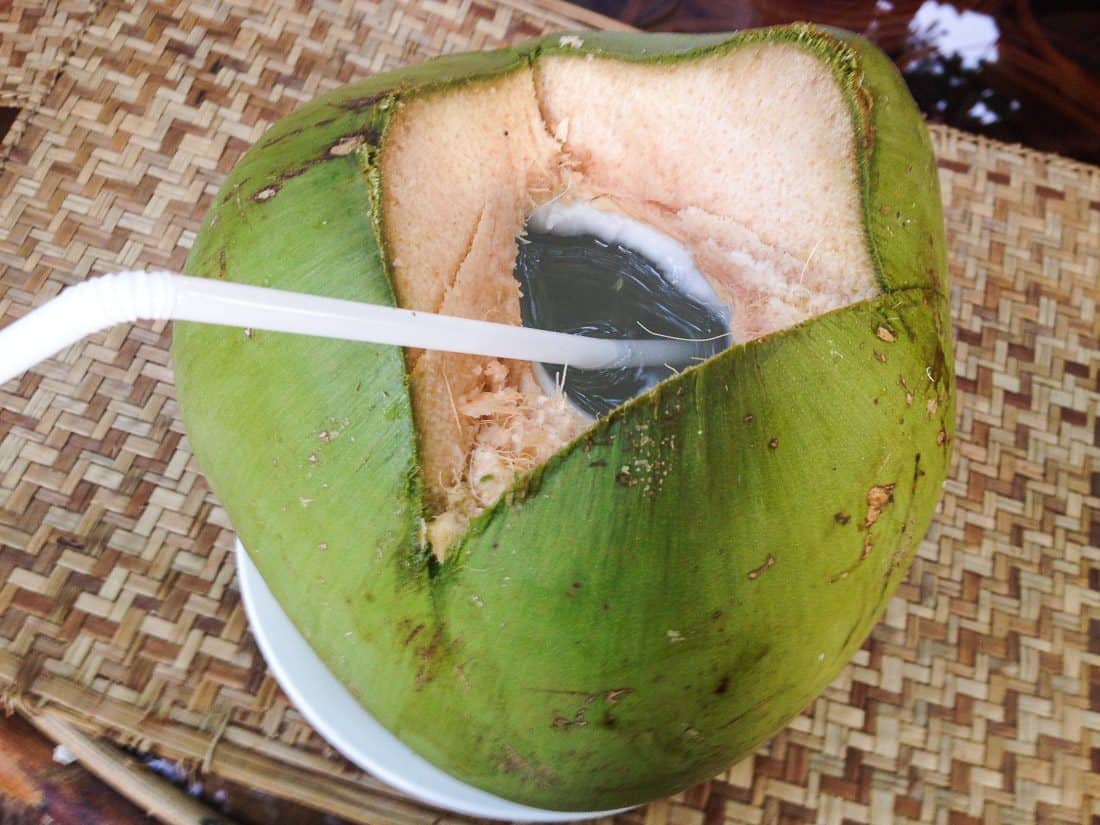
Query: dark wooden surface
[[1021, 71], [35, 789]]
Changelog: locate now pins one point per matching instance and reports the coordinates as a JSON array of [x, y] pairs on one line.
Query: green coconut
[[622, 608]]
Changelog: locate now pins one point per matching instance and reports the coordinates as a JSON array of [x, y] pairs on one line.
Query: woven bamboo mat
[[977, 698]]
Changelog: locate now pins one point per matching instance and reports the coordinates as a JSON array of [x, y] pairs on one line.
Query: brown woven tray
[[976, 700]]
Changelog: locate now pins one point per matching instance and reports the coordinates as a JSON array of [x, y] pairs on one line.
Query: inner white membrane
[[674, 261], [735, 173]]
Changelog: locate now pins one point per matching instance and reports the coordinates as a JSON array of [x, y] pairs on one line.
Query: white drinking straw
[[105, 301]]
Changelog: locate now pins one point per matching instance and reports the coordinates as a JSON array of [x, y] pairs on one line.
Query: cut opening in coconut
[[746, 160], [585, 271]]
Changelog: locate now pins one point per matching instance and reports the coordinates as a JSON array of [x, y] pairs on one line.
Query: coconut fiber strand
[[975, 699]]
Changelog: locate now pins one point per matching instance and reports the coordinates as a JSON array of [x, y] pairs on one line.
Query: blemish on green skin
[[759, 571], [454, 693]]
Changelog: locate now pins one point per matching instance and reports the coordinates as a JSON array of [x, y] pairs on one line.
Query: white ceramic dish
[[343, 722]]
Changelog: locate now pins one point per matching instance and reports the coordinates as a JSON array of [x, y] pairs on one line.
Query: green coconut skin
[[666, 592]]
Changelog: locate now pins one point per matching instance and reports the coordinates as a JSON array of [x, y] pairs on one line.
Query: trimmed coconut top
[[745, 158]]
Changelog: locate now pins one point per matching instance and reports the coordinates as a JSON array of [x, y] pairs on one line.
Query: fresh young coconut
[[571, 614]]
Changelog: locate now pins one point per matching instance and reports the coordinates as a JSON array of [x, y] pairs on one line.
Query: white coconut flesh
[[746, 161]]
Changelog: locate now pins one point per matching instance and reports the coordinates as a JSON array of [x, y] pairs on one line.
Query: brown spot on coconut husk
[[762, 569], [878, 498], [539, 775], [345, 146], [359, 104]]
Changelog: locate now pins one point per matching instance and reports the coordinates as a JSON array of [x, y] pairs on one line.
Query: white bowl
[[343, 722]]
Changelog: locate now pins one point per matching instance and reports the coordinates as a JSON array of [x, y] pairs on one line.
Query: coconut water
[[589, 272]]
